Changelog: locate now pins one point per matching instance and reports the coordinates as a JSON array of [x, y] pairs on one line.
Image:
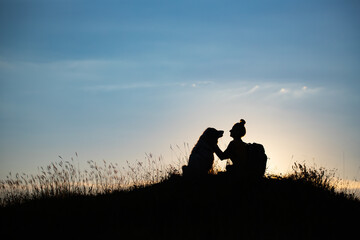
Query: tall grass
[[324, 179], [66, 178], [316, 176]]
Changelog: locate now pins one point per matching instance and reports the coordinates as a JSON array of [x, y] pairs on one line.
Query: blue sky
[[114, 80]]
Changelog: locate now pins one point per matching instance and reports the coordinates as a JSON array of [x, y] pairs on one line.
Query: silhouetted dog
[[202, 155]]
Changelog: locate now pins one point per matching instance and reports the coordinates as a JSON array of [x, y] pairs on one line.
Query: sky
[[115, 80]]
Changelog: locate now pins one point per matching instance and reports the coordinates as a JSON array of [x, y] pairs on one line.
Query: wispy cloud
[[298, 91], [144, 85], [116, 87], [255, 88], [195, 84], [238, 90], [283, 91], [266, 91]]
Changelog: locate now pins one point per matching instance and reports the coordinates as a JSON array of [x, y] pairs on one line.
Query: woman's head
[[238, 130]]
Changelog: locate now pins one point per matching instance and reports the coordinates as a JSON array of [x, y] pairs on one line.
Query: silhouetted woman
[[236, 149]]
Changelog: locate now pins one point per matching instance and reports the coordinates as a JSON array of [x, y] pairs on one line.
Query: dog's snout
[[221, 133]]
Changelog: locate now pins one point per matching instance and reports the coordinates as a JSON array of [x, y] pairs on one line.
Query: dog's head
[[211, 135]]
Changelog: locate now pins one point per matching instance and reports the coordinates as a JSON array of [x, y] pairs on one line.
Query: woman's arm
[[222, 155]]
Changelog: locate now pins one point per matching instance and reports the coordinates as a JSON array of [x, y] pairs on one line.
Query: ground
[[214, 207]]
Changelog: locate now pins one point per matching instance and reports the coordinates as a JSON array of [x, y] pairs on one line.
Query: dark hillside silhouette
[[300, 206]]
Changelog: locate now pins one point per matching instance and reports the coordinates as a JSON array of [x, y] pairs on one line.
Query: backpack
[[256, 159]]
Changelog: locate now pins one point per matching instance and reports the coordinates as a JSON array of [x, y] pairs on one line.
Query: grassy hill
[[302, 205]]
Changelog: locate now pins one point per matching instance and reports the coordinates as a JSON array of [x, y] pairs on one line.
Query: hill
[[214, 207]]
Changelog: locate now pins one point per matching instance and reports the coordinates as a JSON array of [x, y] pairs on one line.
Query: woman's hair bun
[[242, 121]]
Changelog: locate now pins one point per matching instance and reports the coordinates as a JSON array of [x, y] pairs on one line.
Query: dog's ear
[[206, 133]]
